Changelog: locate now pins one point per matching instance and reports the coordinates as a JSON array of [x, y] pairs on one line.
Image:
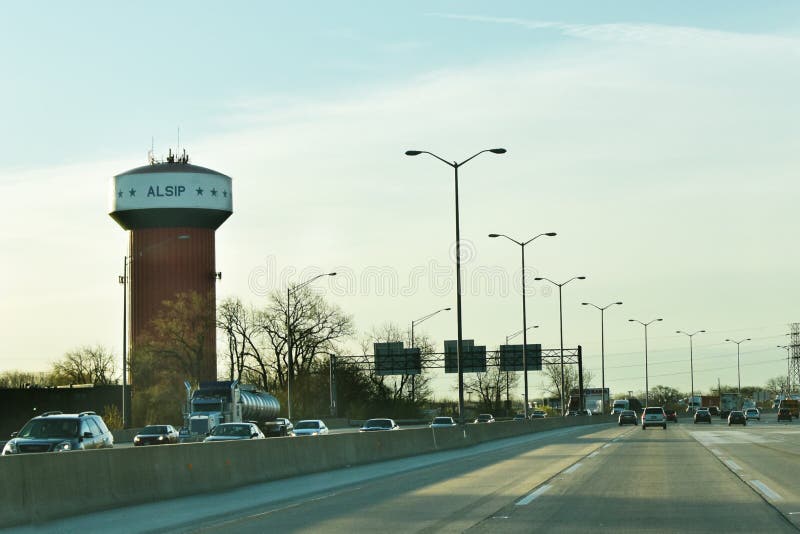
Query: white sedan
[[443, 422], [310, 427]]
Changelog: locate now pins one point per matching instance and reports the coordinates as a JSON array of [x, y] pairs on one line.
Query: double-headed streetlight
[[691, 363], [646, 379], [124, 281], [524, 319], [413, 324], [455, 165], [738, 369], [509, 337], [602, 349], [561, 330], [290, 362]]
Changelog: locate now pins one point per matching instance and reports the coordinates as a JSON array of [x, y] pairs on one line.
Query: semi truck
[[792, 405], [626, 404], [728, 403], [229, 402], [593, 399]]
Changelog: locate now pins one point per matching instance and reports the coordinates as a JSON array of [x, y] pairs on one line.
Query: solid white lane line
[[572, 468], [766, 491], [539, 491], [733, 465], [606, 445], [716, 452], [595, 453]]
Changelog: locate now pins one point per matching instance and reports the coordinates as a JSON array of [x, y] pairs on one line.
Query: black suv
[[59, 432]]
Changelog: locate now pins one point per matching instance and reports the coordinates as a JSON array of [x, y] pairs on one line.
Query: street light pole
[[413, 324], [691, 363], [646, 379], [290, 363], [738, 368], [124, 281], [561, 331], [602, 349], [524, 317], [455, 165]]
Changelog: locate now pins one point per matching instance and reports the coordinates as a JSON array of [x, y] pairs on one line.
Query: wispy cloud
[[655, 34]]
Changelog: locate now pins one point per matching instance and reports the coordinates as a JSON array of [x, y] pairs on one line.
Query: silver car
[[654, 416], [310, 427], [752, 413], [442, 422], [234, 432], [376, 425]]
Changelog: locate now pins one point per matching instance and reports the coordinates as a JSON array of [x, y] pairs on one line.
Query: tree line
[[253, 348]]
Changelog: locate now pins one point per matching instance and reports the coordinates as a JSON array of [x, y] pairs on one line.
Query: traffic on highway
[[692, 478]]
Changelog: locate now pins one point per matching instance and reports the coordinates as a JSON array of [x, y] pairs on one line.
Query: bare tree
[[778, 385], [25, 379], [180, 335], [551, 376], [491, 387], [414, 388], [316, 327], [244, 335], [86, 365]]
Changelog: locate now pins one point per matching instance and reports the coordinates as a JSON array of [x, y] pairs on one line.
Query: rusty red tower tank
[[172, 210]]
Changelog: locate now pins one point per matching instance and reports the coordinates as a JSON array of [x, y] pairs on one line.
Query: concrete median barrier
[[41, 487]]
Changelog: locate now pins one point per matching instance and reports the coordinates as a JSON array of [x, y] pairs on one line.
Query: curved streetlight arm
[[518, 332], [417, 321], [455, 164], [644, 324], [548, 234], [521, 243], [601, 308], [493, 150], [418, 152], [740, 341], [562, 283], [688, 334], [304, 284]]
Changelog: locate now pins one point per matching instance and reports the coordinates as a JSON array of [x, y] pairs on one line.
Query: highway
[[689, 478]]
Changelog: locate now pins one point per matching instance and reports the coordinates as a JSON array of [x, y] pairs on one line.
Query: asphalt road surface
[[601, 478]]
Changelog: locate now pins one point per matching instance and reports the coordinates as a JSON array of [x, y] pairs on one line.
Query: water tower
[[172, 210]]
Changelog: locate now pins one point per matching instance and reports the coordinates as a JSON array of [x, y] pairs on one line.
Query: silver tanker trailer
[[229, 402]]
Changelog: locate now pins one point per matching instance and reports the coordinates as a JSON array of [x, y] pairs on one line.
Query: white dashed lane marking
[[533, 495], [733, 465], [766, 491], [572, 468]]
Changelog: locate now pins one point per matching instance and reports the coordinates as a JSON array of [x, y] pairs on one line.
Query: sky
[[660, 141]]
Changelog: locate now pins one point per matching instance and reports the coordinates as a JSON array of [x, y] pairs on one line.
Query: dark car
[[702, 416], [784, 414], [60, 432], [713, 410], [671, 415], [280, 427], [377, 425], [156, 435], [737, 417], [628, 417]]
